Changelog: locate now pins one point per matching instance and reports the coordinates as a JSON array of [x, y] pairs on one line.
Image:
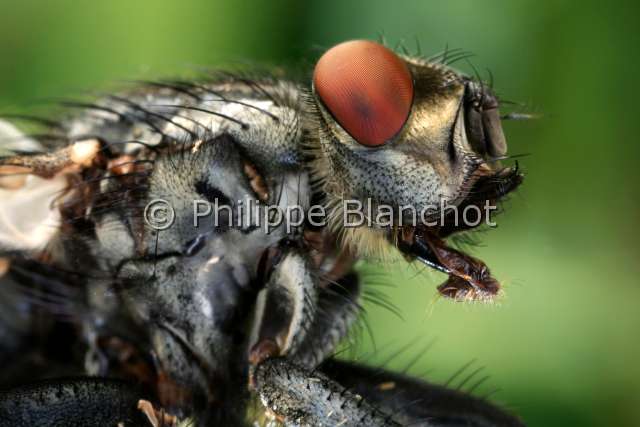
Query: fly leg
[[301, 397], [338, 309], [287, 307], [415, 402], [80, 154], [301, 316], [346, 394], [82, 402]]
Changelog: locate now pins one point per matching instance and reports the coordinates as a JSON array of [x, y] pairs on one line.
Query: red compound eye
[[367, 88]]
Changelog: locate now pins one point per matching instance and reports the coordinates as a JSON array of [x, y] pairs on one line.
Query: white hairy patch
[[27, 220], [83, 152]]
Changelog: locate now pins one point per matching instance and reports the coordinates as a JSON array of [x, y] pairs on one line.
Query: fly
[[133, 243]]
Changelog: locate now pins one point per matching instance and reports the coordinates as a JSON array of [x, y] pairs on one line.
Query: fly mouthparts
[[469, 278]]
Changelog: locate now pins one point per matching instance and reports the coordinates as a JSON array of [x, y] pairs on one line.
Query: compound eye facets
[[367, 88]]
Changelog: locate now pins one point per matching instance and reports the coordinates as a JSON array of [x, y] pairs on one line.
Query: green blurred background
[[562, 346]]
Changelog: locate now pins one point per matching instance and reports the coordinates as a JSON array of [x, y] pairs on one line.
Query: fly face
[[403, 132]]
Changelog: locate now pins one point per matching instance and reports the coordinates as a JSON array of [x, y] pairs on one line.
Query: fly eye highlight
[[367, 88]]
